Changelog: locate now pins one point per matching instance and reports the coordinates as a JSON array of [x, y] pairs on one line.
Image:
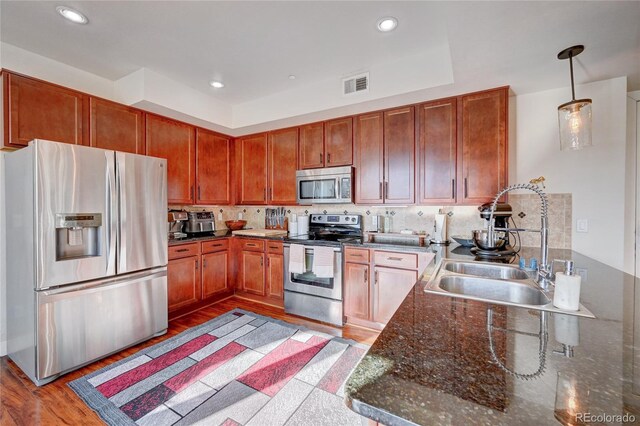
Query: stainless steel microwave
[[331, 185]]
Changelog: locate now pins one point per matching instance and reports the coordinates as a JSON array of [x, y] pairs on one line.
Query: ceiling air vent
[[355, 84]]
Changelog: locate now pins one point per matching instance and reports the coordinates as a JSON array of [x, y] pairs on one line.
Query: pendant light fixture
[[574, 117]]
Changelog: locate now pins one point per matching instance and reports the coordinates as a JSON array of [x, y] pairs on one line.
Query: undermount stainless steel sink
[[486, 270], [495, 290], [493, 283]]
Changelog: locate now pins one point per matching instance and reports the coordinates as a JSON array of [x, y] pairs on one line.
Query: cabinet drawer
[[215, 245], [275, 247], [252, 245], [356, 255], [184, 250], [395, 259]]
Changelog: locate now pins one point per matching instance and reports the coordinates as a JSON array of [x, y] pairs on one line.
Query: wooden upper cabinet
[[283, 163], [369, 158], [115, 126], [251, 154], [338, 142], [437, 141], [213, 168], [175, 141], [483, 150], [312, 146], [34, 109], [399, 156]]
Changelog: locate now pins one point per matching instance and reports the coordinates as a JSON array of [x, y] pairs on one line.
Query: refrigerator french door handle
[[121, 209], [111, 213]]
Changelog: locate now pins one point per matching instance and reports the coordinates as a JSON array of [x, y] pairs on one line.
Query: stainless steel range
[[306, 294]]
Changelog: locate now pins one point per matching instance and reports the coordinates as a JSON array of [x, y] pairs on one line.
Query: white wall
[[595, 176], [631, 185], [19, 60]]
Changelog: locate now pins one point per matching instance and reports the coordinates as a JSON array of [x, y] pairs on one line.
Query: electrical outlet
[[583, 274], [582, 225], [219, 216], [240, 216]]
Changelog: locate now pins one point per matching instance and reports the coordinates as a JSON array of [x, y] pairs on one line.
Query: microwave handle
[[337, 183]]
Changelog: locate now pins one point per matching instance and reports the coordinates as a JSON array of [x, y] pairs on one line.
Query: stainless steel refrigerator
[[86, 254]]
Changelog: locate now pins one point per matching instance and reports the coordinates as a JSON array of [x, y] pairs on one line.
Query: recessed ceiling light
[[292, 77], [216, 84], [386, 24], [72, 15]]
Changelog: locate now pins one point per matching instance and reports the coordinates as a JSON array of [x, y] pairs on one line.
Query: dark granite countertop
[[440, 360], [223, 233]]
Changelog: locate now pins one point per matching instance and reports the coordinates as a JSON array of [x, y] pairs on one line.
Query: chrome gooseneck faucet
[[543, 277]]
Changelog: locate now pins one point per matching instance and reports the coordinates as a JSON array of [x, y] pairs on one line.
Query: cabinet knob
[[328, 158], [320, 158]]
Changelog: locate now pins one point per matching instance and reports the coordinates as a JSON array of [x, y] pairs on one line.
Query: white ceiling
[[254, 46]]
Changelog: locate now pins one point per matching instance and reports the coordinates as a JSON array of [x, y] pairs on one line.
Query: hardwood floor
[[23, 403]]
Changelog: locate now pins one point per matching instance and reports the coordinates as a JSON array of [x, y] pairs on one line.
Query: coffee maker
[[500, 248], [175, 223]]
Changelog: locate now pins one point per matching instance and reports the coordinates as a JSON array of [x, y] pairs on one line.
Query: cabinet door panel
[[275, 275], [369, 154], [311, 146], [283, 163], [176, 142], [215, 273], [437, 152], [356, 288], [484, 146], [115, 126], [213, 168], [39, 110], [399, 155], [252, 272], [252, 169], [390, 286], [338, 142], [183, 282]]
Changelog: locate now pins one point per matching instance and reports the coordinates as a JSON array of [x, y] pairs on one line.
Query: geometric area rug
[[238, 369]]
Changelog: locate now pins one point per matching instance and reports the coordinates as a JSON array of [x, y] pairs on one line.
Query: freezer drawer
[[82, 323]]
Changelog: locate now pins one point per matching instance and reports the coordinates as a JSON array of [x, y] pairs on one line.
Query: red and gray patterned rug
[[239, 368]]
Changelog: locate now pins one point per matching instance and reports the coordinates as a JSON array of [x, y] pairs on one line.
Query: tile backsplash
[[462, 219]]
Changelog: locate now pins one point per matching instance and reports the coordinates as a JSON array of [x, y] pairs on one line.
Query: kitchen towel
[[296, 259], [323, 262]]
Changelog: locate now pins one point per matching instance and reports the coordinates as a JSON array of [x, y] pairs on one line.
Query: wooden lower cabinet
[[390, 287], [195, 280], [183, 282], [215, 273], [275, 275], [259, 270], [252, 272], [376, 283], [356, 294]]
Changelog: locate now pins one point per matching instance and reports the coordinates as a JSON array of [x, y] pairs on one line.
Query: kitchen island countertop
[[444, 360]]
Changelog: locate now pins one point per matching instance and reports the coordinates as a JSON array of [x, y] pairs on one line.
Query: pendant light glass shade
[[574, 120], [574, 117]]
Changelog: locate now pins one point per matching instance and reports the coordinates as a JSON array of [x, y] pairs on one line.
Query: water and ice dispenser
[[78, 235]]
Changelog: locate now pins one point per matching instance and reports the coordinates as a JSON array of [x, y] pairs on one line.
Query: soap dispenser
[[567, 291]]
